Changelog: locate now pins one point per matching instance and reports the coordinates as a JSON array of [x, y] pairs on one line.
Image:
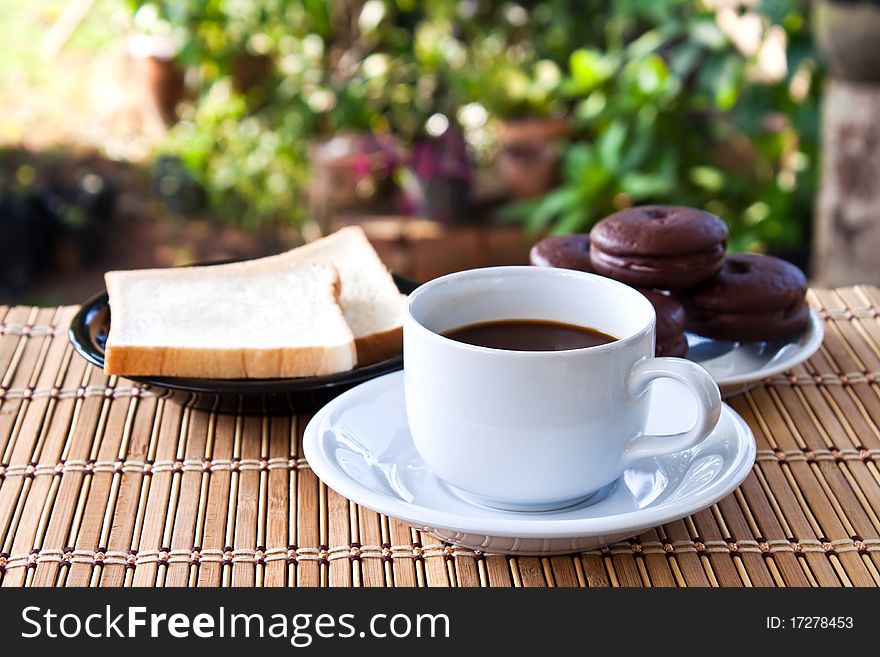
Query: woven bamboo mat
[[104, 484]]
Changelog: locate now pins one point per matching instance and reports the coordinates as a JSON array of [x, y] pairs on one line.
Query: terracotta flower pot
[[531, 150], [848, 34], [161, 77]]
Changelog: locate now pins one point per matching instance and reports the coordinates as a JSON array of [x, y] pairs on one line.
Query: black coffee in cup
[[529, 335]]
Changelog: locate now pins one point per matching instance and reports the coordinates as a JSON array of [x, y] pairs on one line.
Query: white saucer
[[359, 445], [738, 366]]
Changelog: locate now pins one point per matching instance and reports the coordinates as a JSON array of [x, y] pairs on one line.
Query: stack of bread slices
[[322, 308]]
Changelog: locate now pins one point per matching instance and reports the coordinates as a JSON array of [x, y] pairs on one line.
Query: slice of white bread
[[370, 300], [227, 323]]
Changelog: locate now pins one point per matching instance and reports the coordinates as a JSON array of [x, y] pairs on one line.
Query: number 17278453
[[809, 623]]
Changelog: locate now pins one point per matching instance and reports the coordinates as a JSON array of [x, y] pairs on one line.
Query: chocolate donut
[[659, 246], [670, 340], [565, 251], [754, 297], [676, 346]]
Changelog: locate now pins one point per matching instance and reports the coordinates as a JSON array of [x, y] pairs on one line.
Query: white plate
[[738, 366], [359, 445]]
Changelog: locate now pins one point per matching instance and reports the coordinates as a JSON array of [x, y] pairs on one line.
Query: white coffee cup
[[538, 430]]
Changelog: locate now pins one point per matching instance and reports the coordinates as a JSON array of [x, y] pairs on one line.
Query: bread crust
[[377, 347], [128, 360]]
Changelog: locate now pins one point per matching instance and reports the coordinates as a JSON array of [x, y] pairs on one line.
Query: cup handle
[[701, 385]]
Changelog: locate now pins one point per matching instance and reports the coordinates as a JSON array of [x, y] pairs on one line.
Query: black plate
[[88, 334]]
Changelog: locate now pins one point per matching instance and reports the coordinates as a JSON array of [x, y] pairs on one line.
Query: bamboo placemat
[[104, 484]]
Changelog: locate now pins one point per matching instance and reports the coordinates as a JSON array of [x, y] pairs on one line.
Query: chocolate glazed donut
[[565, 251], [754, 297], [670, 324], [659, 246]]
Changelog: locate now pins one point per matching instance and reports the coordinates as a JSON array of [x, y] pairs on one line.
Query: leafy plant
[[673, 106], [329, 67], [679, 101], [517, 51], [253, 166]]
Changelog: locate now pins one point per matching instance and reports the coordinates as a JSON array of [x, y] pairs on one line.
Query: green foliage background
[[665, 107], [667, 112]]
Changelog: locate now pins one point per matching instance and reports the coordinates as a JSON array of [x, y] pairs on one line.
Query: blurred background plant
[[696, 104], [273, 78], [710, 103], [275, 118]]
